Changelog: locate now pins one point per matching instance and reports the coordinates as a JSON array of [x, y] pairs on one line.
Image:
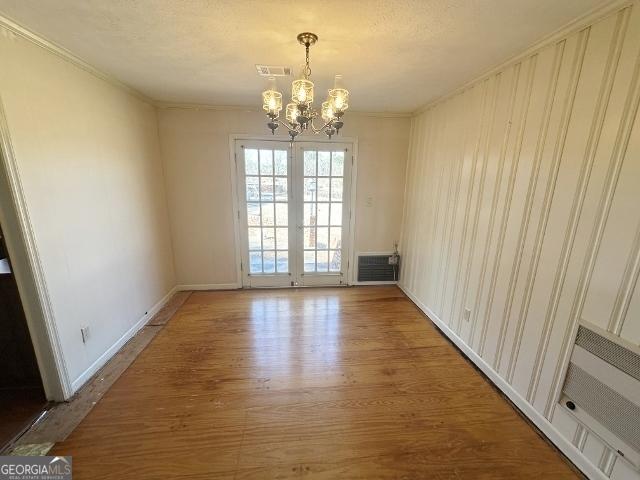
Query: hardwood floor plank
[[307, 383]]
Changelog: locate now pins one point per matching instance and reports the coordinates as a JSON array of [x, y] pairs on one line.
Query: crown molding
[[61, 52], [205, 106], [573, 26], [253, 109]]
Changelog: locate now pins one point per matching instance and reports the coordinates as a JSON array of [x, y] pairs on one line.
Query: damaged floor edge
[[58, 420]]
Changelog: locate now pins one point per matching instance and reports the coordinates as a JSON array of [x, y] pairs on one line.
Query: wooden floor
[[308, 383]]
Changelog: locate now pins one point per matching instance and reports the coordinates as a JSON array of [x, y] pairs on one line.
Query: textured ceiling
[[395, 55]]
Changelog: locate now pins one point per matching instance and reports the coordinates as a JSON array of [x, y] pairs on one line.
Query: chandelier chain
[[307, 68]]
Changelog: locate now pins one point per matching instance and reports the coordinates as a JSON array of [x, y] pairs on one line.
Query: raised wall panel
[[523, 206]]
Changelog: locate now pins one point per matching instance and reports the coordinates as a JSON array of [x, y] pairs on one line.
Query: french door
[[294, 212]]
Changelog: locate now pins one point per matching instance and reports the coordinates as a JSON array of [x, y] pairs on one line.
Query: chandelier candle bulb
[[292, 113], [300, 113], [327, 111], [272, 99], [302, 91]]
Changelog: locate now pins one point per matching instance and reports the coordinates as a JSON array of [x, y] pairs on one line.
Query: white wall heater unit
[[602, 389]]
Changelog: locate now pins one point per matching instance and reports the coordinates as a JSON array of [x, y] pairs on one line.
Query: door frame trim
[[29, 274], [235, 205]]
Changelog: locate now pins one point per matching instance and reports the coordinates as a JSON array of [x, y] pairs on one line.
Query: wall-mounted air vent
[[602, 390], [378, 268], [273, 71]]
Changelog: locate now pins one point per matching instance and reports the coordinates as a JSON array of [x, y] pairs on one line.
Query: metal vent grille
[[273, 71], [607, 406], [610, 352], [376, 268]]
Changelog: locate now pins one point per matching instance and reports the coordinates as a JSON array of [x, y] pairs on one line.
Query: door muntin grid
[[266, 172], [323, 201]]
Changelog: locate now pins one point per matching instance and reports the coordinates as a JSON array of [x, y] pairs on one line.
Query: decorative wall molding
[[467, 204], [484, 137], [522, 125], [593, 139], [531, 190], [494, 202], [567, 109]]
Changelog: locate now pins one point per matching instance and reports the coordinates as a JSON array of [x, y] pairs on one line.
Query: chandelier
[[300, 112]]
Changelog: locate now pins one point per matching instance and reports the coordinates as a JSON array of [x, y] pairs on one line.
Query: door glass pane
[[253, 189], [322, 237], [337, 164], [282, 214], [324, 164], [309, 192], [255, 262], [266, 162], [309, 260], [283, 262], [336, 214], [255, 239], [267, 214], [280, 162], [335, 238], [282, 238], [281, 189], [266, 180], [253, 214], [334, 260], [309, 240], [323, 260], [268, 239], [309, 164], [266, 189], [323, 189], [309, 214], [269, 262], [336, 189], [251, 162], [323, 214]]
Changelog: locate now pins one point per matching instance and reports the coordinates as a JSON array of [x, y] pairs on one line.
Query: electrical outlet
[[467, 314], [369, 202], [84, 331]]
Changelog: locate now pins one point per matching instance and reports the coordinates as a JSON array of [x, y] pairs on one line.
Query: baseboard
[[390, 282], [565, 446], [112, 350], [208, 286]]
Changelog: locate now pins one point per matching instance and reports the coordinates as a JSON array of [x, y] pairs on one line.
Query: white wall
[[88, 157], [195, 150], [522, 205]]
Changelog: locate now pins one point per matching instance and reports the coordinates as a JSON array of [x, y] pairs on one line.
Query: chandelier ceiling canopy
[[300, 112]]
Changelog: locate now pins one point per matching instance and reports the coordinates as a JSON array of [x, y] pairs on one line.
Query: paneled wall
[[522, 217]]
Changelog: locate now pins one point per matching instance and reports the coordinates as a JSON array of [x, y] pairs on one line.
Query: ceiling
[[395, 55]]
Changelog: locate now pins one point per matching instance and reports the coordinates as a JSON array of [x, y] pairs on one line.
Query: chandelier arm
[[297, 130], [321, 129]]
